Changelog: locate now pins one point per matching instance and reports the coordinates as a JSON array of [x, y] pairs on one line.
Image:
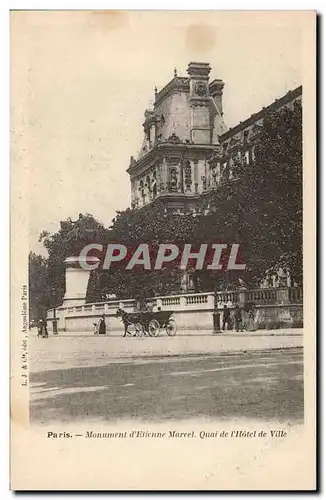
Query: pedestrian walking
[[238, 319], [226, 318], [45, 330], [95, 329], [251, 321], [42, 329], [101, 325]]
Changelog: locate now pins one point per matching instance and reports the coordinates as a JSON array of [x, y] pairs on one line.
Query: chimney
[[200, 103], [199, 70]]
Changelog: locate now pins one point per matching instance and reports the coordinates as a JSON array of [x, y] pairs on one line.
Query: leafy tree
[[59, 247], [261, 207], [151, 225], [39, 296]]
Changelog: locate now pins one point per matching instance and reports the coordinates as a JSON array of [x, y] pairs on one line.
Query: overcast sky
[[82, 80]]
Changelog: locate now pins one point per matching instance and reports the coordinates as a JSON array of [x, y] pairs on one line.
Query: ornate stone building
[[180, 135], [187, 148], [238, 143]]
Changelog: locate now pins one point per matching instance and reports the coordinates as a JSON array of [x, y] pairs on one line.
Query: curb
[[220, 335], [209, 354]]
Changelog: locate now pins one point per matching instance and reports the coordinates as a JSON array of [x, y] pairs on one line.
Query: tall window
[[148, 186], [154, 185], [246, 157], [142, 191], [173, 180]]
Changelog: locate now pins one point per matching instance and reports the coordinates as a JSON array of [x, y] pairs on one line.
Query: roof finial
[[175, 72], [155, 89]]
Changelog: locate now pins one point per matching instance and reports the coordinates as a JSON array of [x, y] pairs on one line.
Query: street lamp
[[54, 320], [216, 316]]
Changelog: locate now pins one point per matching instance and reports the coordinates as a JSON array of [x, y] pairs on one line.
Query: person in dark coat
[[251, 321], [238, 319], [226, 318], [102, 325], [42, 329]]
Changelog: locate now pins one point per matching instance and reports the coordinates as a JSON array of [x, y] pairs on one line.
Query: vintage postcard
[[163, 169]]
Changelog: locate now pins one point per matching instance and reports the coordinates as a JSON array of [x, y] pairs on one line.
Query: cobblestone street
[[78, 377]]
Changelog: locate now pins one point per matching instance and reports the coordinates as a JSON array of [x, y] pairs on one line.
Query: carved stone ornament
[[201, 89], [187, 171], [174, 139]]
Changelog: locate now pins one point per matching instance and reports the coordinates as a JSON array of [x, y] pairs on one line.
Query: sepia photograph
[[163, 183]]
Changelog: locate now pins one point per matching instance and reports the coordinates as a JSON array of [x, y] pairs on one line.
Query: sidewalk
[[79, 350], [201, 333]]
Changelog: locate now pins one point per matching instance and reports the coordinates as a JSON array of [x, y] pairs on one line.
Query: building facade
[[187, 149]]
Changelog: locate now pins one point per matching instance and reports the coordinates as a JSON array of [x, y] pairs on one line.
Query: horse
[[130, 319]]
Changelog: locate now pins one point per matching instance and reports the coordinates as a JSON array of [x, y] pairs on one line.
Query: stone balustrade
[[274, 308]]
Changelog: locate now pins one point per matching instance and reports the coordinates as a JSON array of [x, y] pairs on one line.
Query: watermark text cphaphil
[[212, 257]]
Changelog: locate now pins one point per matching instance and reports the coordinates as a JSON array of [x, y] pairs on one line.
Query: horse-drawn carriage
[[148, 322]]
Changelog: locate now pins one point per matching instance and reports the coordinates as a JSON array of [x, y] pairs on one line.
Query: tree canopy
[[261, 206], [150, 225]]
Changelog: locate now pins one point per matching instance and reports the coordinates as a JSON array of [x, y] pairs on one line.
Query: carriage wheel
[[171, 328], [153, 328]]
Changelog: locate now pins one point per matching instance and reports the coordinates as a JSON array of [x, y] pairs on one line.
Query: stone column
[[210, 300], [181, 186], [242, 298], [196, 175], [282, 295], [164, 180], [159, 177], [183, 302]]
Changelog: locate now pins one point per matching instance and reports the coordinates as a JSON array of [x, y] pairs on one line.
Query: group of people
[[227, 323]]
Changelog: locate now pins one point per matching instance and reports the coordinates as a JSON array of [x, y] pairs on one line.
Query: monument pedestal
[[77, 280]]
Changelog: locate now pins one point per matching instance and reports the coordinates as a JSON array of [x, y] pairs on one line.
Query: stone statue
[[173, 180], [72, 234], [78, 231]]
